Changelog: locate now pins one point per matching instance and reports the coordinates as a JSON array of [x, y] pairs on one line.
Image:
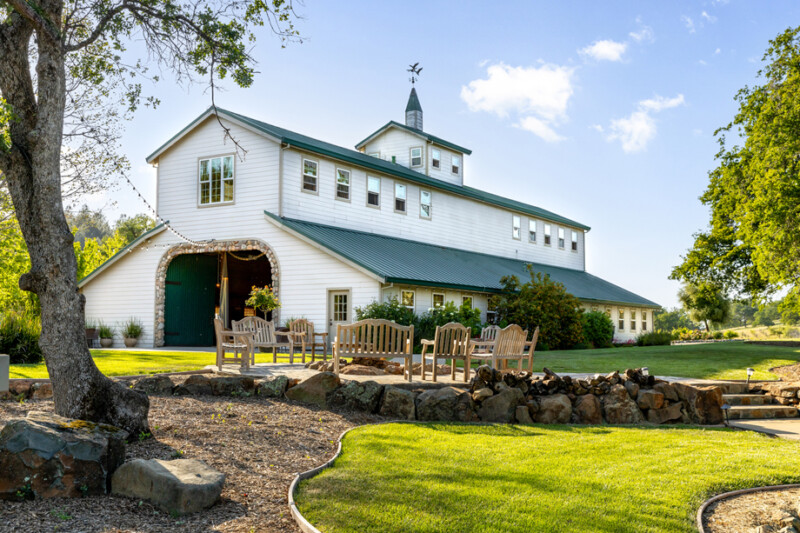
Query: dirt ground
[[742, 514], [258, 444]]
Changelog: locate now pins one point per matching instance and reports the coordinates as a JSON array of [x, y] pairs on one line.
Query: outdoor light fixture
[[750, 373], [645, 371], [725, 408]]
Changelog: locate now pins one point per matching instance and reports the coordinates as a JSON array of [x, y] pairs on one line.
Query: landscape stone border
[[731, 494], [211, 247]]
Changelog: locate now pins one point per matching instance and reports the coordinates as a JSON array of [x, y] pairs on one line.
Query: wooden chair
[[309, 337], [489, 333], [450, 342], [264, 336], [509, 344], [376, 339], [239, 342], [531, 345]]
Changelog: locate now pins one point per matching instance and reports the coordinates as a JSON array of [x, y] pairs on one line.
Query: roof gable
[[424, 135]]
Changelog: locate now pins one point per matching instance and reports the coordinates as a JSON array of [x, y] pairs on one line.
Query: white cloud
[[717, 52], [537, 96], [597, 127], [711, 19], [605, 50], [701, 62], [688, 23], [637, 130], [644, 34]]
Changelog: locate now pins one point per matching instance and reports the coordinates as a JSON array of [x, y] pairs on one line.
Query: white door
[[338, 311]]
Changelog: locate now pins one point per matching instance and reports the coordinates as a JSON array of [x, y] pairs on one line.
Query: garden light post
[[725, 408], [645, 371], [750, 373]]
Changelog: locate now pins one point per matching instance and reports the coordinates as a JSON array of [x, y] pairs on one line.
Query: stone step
[[751, 412], [728, 387], [747, 399]]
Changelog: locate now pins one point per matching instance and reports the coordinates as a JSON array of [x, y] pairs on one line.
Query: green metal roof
[[433, 138], [357, 158], [409, 262], [413, 101]]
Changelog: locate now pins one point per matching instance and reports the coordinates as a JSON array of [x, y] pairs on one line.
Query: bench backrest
[[452, 339], [510, 341], [263, 331], [374, 337], [301, 325], [489, 333]]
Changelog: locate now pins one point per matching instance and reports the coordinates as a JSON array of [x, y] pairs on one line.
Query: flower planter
[[107, 343], [130, 342]]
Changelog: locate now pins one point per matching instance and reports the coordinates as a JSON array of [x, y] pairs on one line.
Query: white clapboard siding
[[456, 221], [423, 297], [445, 170], [626, 333]]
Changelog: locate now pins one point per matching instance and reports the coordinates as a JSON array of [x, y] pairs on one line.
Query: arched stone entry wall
[[212, 247]]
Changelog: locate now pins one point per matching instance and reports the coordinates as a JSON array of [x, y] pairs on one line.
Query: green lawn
[[133, 362], [461, 478]]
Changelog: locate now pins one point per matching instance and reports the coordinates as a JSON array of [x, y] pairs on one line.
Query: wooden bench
[[374, 339], [264, 336]]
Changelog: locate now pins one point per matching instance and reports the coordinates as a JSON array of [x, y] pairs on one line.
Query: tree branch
[[99, 28], [39, 21]]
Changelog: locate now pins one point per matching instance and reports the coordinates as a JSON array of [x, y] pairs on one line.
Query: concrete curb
[[718, 497]]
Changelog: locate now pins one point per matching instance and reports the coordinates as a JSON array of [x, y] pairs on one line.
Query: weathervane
[[414, 72]]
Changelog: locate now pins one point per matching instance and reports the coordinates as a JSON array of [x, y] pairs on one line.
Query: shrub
[[654, 338], [718, 335], [133, 328], [19, 337], [598, 329], [731, 334], [388, 310], [105, 332], [427, 322], [263, 299]]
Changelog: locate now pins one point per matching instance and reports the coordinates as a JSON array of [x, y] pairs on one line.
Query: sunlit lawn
[[462, 478], [134, 362]]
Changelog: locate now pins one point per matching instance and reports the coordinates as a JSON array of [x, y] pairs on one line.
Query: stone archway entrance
[[210, 248]]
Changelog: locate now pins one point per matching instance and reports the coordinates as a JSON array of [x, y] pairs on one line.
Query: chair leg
[[335, 362], [433, 366], [274, 354], [452, 369], [424, 349], [409, 364], [467, 368]]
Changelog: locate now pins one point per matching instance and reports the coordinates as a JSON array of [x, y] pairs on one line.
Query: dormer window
[[342, 184], [310, 169], [216, 180], [416, 157], [436, 158], [399, 198], [456, 164]]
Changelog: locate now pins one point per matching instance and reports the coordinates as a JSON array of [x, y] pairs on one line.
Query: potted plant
[[106, 335], [131, 331], [91, 332], [263, 299]]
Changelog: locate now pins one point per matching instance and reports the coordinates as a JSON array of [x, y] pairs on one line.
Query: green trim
[[114, 258], [178, 135], [433, 138]]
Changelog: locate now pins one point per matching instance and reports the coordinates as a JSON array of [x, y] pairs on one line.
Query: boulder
[[357, 396], [42, 391], [703, 404], [523, 415], [231, 385], [632, 388], [398, 403], [649, 399], [362, 370], [619, 408], [155, 385], [482, 393], [20, 387], [555, 409], [443, 404], [196, 385], [178, 487], [501, 407], [588, 410], [666, 389], [273, 387], [672, 413], [45, 455], [315, 389]]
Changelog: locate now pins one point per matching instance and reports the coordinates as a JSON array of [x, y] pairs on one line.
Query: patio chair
[[239, 342], [489, 333], [264, 337], [510, 343], [310, 338], [450, 342]]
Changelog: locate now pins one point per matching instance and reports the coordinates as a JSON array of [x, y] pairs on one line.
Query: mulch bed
[[258, 444], [742, 514]]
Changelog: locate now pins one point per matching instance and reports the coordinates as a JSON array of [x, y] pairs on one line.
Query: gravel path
[[258, 444]]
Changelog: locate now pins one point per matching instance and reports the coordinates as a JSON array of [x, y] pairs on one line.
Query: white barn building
[[331, 229]]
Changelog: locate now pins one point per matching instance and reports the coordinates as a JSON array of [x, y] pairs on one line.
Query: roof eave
[[117, 256]]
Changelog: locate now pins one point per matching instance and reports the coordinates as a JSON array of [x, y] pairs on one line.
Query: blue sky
[[603, 112]]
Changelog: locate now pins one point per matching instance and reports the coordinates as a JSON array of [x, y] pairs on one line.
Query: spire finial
[[415, 71]]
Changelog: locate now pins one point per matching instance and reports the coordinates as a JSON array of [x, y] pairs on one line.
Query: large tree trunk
[[34, 181]]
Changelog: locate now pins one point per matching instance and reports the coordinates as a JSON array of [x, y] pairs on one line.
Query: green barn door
[[190, 300]]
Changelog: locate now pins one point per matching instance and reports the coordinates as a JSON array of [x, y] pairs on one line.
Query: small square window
[[515, 226], [547, 234], [456, 164], [399, 198], [438, 300], [436, 158], [310, 169], [425, 204], [342, 184], [375, 154], [466, 300], [574, 241], [561, 238], [407, 299], [416, 157], [216, 180], [532, 231], [373, 191]]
